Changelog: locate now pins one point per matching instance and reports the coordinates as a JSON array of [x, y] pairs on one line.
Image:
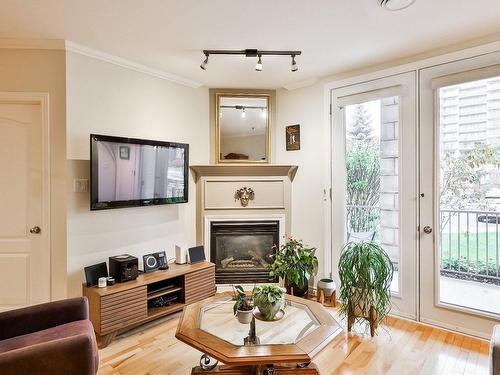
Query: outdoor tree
[[360, 128], [363, 186], [462, 175], [363, 172]]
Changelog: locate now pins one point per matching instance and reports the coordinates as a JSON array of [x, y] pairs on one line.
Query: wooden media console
[[120, 307]]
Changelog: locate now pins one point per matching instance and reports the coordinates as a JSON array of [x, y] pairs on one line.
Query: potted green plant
[[295, 263], [269, 299], [365, 272], [243, 307]]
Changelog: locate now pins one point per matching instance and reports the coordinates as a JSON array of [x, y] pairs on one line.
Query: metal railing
[[469, 243], [363, 224], [362, 218]]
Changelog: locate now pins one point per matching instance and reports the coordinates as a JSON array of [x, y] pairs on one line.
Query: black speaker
[[196, 254], [155, 261], [92, 273], [124, 267]]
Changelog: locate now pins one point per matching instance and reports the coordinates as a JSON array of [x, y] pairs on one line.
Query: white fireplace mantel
[[244, 170], [217, 184]]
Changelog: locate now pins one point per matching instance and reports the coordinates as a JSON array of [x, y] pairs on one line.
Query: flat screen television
[[128, 172]]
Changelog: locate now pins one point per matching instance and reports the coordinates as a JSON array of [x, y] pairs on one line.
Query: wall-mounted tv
[[128, 172]]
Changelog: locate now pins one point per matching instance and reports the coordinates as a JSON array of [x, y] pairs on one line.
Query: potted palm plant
[[365, 272], [243, 306], [269, 299], [295, 263]]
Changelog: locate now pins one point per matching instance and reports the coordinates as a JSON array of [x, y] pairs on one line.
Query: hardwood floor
[[401, 347]]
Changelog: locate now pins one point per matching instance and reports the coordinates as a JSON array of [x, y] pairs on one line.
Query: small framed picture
[[293, 137], [124, 152]]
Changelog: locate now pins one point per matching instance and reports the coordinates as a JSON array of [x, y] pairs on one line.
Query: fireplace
[[242, 251]]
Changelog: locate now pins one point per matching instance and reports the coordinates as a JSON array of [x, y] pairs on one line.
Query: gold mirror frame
[[218, 97]]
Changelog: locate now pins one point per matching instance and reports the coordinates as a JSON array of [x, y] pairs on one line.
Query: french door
[[429, 194], [460, 194], [374, 188]]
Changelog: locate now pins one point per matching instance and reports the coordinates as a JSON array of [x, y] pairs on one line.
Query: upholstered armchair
[[53, 338], [495, 351]]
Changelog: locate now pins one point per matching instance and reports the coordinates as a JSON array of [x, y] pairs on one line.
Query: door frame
[[41, 99], [418, 65], [405, 84], [432, 311]]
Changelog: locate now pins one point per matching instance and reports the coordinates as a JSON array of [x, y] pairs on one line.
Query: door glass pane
[[372, 175], [469, 123]]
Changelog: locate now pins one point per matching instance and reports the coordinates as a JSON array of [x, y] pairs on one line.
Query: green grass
[[477, 244]]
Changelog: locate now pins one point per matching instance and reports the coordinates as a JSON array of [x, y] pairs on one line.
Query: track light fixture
[[204, 64], [258, 66], [243, 114], [251, 53]]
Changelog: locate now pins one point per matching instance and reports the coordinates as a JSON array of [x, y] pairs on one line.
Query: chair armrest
[[75, 355], [47, 315], [495, 351]]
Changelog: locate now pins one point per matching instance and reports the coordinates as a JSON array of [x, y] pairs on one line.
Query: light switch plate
[[80, 185]]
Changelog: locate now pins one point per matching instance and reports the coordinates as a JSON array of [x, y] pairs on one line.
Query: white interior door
[[374, 189], [460, 183], [24, 232]]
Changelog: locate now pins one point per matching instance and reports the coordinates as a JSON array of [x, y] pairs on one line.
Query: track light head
[[258, 66], [294, 67], [243, 114], [204, 64]]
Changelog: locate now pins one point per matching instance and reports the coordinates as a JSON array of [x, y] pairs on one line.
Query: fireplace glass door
[[242, 251]]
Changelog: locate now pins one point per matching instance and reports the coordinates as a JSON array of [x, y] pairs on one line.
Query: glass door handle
[[427, 229]]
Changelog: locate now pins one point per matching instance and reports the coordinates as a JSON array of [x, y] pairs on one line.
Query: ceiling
[[233, 124], [334, 35]]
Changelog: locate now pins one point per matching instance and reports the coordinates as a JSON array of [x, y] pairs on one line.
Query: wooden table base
[[259, 370]]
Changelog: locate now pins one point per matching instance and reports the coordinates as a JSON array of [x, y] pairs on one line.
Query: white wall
[[304, 107], [33, 70], [254, 146], [107, 99]]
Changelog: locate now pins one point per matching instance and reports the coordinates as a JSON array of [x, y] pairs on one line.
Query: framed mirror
[[242, 128]]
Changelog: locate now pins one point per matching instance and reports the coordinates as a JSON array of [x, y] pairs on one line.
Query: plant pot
[[296, 290], [269, 311], [361, 308], [328, 286], [244, 317]]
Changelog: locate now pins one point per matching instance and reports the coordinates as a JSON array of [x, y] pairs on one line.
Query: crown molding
[[112, 59], [301, 84], [11, 43]]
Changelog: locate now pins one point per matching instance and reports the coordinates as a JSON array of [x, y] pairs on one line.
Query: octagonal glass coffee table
[[286, 345]]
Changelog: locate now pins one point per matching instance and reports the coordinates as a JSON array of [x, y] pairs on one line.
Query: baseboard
[[453, 329]]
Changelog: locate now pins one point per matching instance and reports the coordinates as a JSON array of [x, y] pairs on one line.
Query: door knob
[[35, 230], [427, 229]]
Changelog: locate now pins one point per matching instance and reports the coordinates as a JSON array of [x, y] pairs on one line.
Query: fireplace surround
[[238, 236]]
